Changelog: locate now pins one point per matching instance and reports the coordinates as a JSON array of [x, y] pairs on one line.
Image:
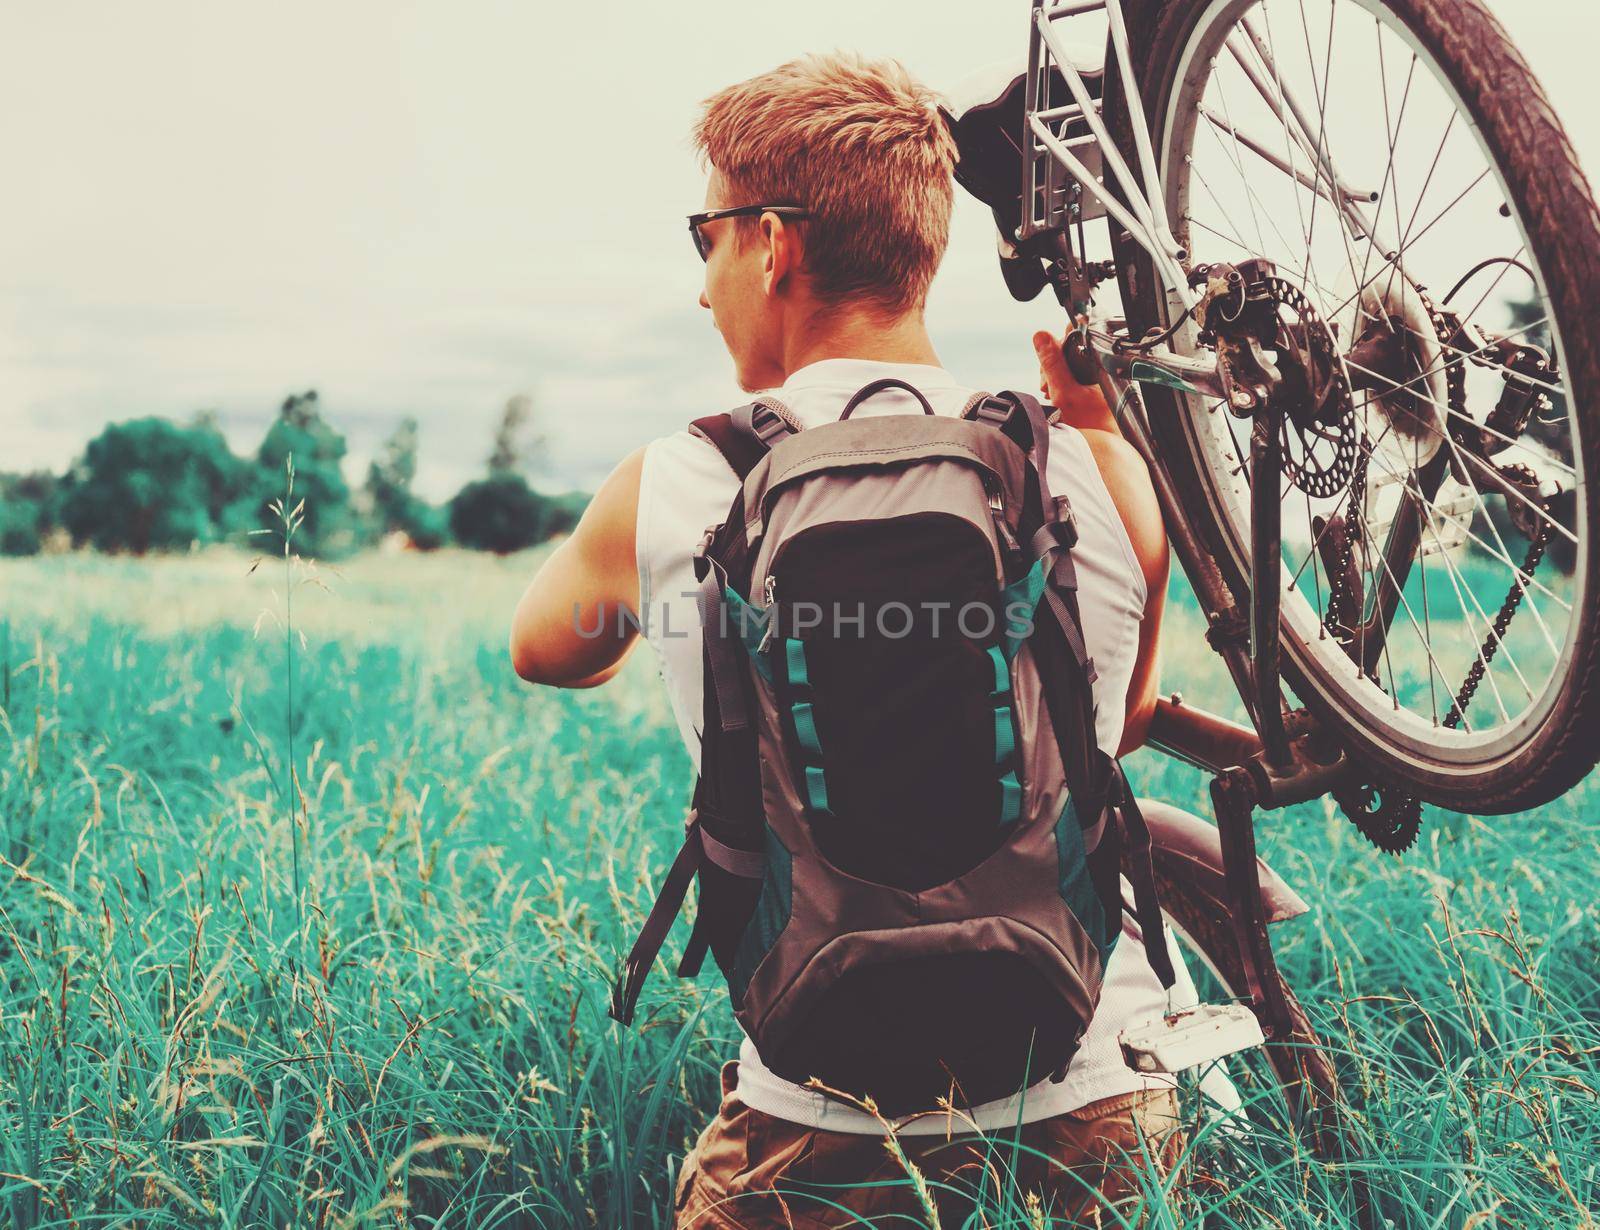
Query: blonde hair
[[861, 144]]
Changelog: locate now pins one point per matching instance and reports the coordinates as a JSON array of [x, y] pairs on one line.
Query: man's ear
[[784, 252]]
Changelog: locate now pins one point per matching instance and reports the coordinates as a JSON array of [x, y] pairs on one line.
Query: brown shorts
[[751, 1171]]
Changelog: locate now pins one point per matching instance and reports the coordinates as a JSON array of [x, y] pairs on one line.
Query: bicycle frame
[[1260, 367], [1137, 203], [1285, 758], [1055, 178]]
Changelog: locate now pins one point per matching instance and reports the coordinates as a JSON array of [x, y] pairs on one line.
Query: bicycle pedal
[[1187, 1039]]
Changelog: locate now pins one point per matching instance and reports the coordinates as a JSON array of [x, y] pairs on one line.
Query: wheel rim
[[1449, 600]]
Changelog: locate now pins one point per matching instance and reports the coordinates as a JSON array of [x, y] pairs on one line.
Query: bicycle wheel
[[1430, 226]]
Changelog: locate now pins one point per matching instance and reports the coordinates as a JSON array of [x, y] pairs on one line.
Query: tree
[[318, 451], [28, 505], [391, 472], [562, 512], [500, 514], [517, 447], [395, 505], [149, 484]]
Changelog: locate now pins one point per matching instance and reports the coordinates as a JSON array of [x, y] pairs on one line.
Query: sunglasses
[[696, 221]]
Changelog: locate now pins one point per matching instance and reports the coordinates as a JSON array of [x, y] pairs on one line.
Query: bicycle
[[1348, 460]]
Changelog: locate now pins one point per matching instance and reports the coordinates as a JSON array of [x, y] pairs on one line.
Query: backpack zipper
[[769, 594]]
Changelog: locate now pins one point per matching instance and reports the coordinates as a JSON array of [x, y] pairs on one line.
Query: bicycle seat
[[985, 113]]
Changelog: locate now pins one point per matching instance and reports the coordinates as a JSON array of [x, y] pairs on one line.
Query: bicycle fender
[[1184, 845]]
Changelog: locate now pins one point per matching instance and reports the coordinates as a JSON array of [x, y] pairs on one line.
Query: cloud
[[422, 210]]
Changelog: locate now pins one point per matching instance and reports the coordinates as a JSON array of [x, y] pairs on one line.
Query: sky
[[425, 209]]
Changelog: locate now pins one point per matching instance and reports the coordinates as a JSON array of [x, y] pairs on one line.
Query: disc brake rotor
[[1319, 434]]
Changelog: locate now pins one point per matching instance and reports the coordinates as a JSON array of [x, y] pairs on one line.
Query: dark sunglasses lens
[[700, 244]]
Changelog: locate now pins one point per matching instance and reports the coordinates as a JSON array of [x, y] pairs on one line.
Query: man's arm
[[575, 623], [1128, 480]]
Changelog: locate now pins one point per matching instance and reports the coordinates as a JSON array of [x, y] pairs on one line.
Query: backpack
[[906, 838]]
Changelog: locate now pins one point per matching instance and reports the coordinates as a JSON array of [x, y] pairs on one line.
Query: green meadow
[[309, 909]]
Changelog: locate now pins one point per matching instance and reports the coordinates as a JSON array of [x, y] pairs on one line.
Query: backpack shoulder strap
[[744, 436], [1027, 422]]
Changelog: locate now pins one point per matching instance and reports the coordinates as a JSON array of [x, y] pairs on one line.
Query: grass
[[417, 1035]]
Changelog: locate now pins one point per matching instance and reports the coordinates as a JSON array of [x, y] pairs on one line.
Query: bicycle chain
[[1392, 819], [1312, 477], [1335, 620], [1508, 608], [1339, 622]]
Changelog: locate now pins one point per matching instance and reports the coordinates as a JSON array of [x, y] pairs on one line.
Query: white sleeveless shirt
[[685, 486]]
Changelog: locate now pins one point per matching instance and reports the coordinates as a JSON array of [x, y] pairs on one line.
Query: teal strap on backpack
[[1005, 738], [751, 621], [805, 723], [1018, 601]]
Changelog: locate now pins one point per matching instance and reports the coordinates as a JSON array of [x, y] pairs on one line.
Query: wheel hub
[[1395, 358]]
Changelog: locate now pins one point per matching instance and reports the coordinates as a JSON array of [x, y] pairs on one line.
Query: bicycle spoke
[[1410, 386], [1289, 120], [1405, 237], [1212, 231], [1339, 506], [1427, 647], [1237, 238], [1554, 390], [1428, 523], [1427, 621], [1502, 554], [1394, 259], [1316, 574], [1457, 582], [1464, 355], [1238, 163], [1317, 159], [1393, 134], [1212, 125], [1324, 91]]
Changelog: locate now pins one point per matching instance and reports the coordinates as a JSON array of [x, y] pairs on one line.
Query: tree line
[[152, 484]]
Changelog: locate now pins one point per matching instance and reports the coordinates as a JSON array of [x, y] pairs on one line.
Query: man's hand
[[576, 622], [1081, 406]]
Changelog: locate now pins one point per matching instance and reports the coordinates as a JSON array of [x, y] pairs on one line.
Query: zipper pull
[[769, 593]]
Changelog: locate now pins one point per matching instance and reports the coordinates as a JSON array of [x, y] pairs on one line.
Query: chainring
[[1389, 819]]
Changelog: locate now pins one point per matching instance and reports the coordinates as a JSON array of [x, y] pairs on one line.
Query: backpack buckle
[[1066, 522], [767, 424], [994, 411], [701, 556]]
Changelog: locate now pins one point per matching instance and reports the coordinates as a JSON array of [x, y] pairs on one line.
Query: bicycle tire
[[1534, 157]]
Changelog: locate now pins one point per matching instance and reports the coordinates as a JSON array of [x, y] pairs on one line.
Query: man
[[816, 297]]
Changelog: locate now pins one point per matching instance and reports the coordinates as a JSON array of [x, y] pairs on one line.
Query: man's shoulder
[[685, 456], [684, 477]]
